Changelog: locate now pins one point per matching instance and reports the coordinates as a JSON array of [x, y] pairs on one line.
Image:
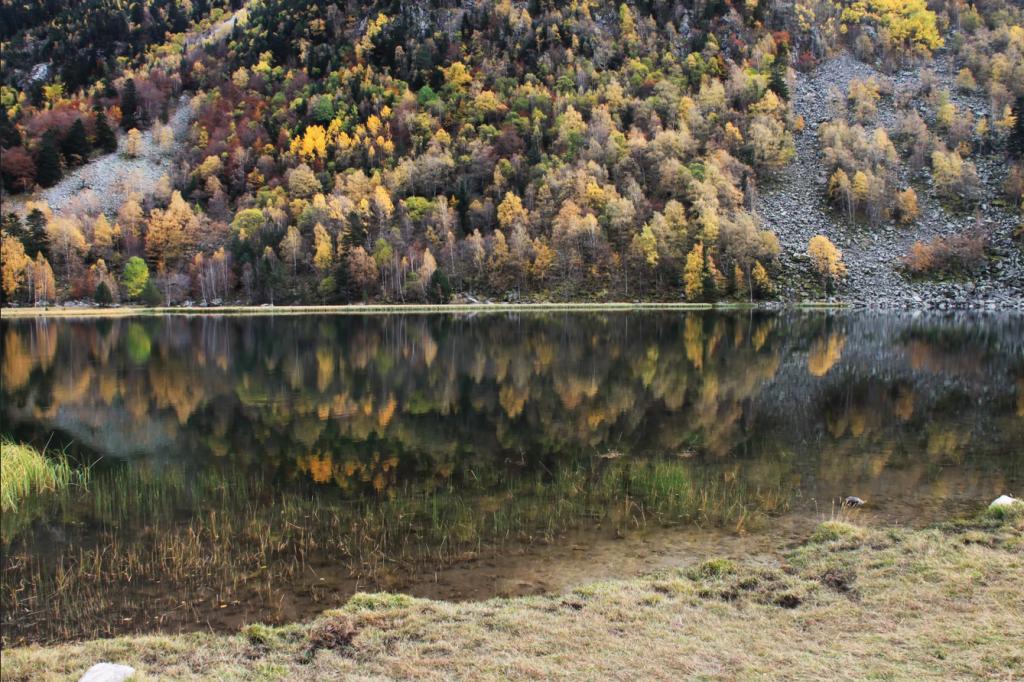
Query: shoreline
[[476, 308], [386, 309], [871, 600]]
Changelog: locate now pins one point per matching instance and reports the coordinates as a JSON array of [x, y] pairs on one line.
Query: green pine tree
[[129, 106], [13, 226], [440, 289], [36, 240], [103, 296], [48, 170], [150, 294], [75, 146], [1015, 143], [777, 81], [106, 140], [9, 134]]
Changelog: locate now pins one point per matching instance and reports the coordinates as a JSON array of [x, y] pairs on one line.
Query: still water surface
[[264, 468]]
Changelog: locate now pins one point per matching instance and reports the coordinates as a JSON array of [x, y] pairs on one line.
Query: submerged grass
[[26, 472], [857, 603], [251, 541]]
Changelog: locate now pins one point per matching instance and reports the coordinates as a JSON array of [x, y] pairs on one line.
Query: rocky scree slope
[[794, 206]]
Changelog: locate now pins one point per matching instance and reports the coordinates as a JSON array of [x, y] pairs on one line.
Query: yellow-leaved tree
[[133, 143], [13, 262], [511, 212], [170, 230], [291, 247], [827, 260], [313, 147], [44, 284], [323, 249], [693, 273], [906, 25]]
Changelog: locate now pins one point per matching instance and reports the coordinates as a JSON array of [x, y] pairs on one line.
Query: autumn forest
[[528, 151]]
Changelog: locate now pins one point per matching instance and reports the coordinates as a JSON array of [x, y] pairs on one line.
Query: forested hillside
[[583, 150]]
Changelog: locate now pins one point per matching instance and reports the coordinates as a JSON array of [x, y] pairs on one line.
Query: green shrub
[[712, 569], [135, 276], [836, 531]]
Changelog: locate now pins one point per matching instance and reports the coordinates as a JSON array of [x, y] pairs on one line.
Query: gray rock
[[107, 672], [1004, 501], [40, 73]]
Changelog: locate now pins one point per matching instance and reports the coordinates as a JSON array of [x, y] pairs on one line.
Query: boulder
[[107, 672], [1004, 501]]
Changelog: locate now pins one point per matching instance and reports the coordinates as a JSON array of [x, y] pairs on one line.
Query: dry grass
[[851, 603]]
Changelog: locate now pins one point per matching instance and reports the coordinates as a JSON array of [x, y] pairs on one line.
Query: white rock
[[107, 672], [1003, 501]]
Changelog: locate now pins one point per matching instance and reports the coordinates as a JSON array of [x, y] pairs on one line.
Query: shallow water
[[264, 468]]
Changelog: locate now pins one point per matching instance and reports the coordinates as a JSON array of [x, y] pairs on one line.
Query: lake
[[264, 468]]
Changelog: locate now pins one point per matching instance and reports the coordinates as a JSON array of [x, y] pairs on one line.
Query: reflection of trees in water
[[379, 444], [364, 402], [951, 347], [930, 402], [1020, 396], [825, 353], [319, 392]]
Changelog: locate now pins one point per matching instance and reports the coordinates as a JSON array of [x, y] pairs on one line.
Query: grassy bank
[[129, 311], [26, 472], [852, 602]]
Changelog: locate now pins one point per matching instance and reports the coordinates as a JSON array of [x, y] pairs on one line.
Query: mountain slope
[[406, 152]]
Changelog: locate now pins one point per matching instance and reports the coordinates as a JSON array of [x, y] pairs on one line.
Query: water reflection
[[260, 468]]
